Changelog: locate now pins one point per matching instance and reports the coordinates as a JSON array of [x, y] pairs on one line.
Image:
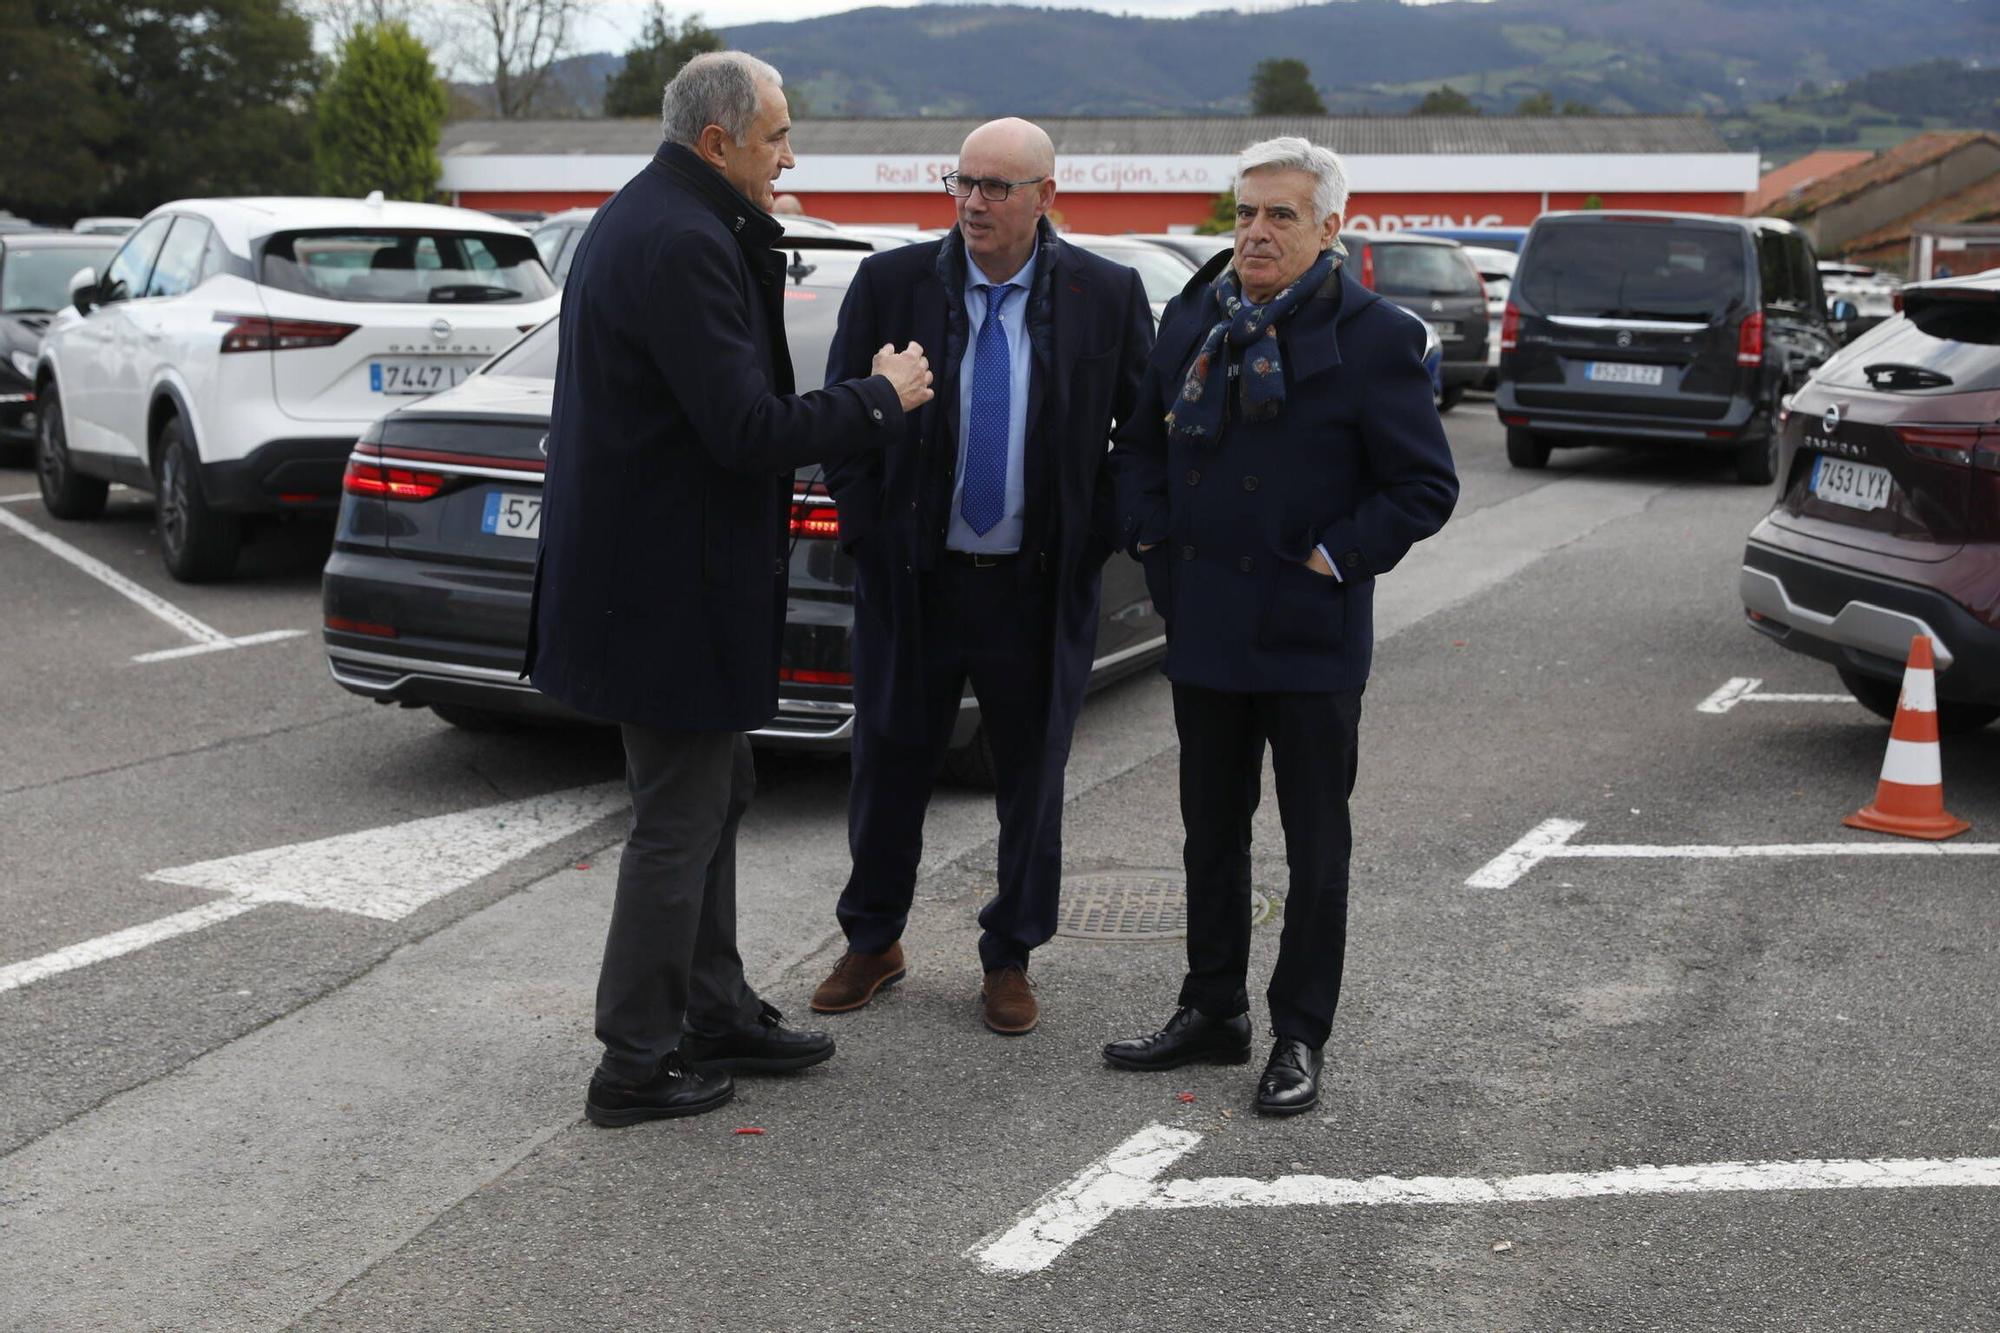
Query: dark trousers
[[990, 626], [1312, 738], [670, 960]]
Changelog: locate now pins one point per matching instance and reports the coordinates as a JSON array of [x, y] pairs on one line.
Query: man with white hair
[[1286, 452], [660, 578]]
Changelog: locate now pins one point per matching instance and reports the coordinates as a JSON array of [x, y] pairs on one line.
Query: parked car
[[1435, 281], [1873, 293], [1888, 522], [104, 226], [1492, 238], [35, 271], [426, 592], [233, 349], [1662, 329], [1197, 249], [1496, 273], [557, 238], [1163, 272]]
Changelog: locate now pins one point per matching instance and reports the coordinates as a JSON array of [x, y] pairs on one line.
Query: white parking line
[[383, 873], [1126, 1178], [1743, 690], [206, 638], [1550, 840], [20, 499]]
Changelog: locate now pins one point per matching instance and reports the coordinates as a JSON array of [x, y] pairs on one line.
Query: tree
[[513, 44], [379, 116], [661, 51], [1284, 88], [1445, 101], [1539, 104], [57, 169], [1572, 107], [1221, 219], [202, 97]]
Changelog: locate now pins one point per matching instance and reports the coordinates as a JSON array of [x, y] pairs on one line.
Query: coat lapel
[[1312, 346]]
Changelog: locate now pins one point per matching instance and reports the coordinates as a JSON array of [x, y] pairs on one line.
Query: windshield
[[1424, 270], [1162, 274], [1633, 270], [33, 280], [407, 267]]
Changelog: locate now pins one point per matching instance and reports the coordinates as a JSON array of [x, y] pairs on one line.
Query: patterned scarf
[[1197, 417]]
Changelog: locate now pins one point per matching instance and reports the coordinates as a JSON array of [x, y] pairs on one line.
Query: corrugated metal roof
[[1188, 136]]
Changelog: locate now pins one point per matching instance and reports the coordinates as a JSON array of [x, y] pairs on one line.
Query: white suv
[[233, 349]]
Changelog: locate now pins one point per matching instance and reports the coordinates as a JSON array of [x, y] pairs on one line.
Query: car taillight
[[814, 515], [1966, 446], [1368, 267], [1750, 340], [1510, 327], [801, 676], [376, 481], [258, 333]]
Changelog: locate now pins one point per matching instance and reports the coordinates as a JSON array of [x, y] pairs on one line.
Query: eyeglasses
[[961, 186]]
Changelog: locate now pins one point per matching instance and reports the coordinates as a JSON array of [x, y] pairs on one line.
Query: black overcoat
[[660, 577], [1090, 329], [1356, 462]]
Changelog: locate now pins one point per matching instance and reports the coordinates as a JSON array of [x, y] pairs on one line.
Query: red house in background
[[1158, 174]]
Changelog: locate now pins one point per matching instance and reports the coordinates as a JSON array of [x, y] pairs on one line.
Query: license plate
[[412, 376], [512, 514], [1856, 485], [1445, 328], [1622, 372]]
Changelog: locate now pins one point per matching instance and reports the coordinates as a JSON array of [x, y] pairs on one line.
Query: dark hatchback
[[426, 591], [35, 269], [1664, 329], [1888, 522], [1434, 280]]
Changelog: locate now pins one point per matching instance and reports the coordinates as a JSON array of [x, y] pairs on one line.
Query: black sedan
[[426, 591], [35, 269]]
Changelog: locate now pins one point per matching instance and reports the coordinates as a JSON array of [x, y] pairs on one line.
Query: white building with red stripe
[[1157, 174]]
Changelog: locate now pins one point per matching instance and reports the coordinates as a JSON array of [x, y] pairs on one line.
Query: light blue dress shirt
[[1005, 536]]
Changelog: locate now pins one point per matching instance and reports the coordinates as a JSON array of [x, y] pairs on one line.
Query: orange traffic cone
[[1909, 800]]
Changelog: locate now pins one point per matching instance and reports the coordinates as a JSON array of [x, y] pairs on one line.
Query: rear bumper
[[1865, 622], [1564, 427], [1464, 374], [279, 475]]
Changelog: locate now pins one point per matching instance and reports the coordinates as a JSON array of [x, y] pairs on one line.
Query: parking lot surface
[[352, 1100]]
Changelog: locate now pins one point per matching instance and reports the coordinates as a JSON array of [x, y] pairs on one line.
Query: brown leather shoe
[[855, 979], [1008, 1001]]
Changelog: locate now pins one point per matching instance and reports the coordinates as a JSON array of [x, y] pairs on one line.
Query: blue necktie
[[985, 496]]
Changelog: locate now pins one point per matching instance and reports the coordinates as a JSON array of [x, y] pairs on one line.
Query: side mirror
[[1842, 310], [83, 290]]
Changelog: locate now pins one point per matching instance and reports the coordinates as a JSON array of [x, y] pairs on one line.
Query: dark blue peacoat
[[1089, 329], [660, 577], [1357, 462]]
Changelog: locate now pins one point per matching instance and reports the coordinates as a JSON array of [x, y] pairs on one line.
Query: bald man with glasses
[[978, 548]]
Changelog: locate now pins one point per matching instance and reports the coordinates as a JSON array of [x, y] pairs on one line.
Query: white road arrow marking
[[1550, 840], [205, 637], [383, 873], [1127, 1179], [1743, 690]]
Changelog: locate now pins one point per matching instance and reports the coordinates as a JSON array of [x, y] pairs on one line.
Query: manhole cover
[[1133, 905]]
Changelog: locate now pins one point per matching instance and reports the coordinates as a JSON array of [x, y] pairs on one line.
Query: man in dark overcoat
[[660, 579], [1287, 451], [979, 547]]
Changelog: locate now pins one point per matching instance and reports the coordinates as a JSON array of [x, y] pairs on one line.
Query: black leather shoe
[[1291, 1079], [1189, 1036], [677, 1090], [765, 1047]]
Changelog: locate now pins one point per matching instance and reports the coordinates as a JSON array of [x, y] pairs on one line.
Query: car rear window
[[1424, 270], [432, 267], [1939, 345], [1633, 270]]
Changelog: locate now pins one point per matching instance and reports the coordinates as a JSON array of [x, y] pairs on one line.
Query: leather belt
[[981, 559]]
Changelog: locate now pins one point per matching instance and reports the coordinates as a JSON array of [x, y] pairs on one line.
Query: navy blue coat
[[1356, 462], [1089, 329], [660, 578]]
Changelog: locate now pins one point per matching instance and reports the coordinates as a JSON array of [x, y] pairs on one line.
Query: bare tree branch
[[514, 43]]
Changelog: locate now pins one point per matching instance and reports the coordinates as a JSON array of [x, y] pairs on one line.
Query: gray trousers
[[670, 960]]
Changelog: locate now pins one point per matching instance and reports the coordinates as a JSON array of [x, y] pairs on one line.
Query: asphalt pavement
[[353, 1101]]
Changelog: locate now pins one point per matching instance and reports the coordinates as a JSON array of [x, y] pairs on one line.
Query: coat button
[[1194, 477], [1249, 483], [1187, 552], [1246, 564], [778, 567], [876, 413], [1352, 561]]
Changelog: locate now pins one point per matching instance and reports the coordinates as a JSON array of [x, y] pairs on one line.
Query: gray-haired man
[[660, 583]]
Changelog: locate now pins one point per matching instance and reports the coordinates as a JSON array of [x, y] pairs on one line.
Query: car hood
[[22, 333]]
